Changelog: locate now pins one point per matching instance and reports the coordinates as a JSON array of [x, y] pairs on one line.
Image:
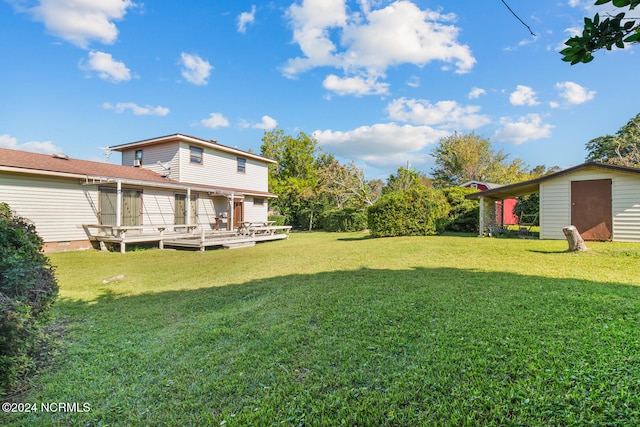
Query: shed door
[[591, 208]]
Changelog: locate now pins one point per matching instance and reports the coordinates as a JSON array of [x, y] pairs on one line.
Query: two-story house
[[163, 184]]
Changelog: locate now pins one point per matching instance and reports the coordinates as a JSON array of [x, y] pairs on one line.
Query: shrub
[[347, 219], [27, 289], [277, 219], [418, 211], [464, 213]]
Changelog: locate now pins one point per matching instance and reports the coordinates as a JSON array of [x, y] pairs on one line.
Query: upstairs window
[[138, 159], [195, 155], [242, 165]]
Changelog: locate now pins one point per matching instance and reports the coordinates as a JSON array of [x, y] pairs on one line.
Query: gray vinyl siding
[[157, 208], [626, 208], [555, 204], [162, 153], [57, 206], [210, 208], [255, 213], [554, 208], [219, 168]]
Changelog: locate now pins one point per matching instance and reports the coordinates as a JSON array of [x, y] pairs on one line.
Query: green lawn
[[339, 329]]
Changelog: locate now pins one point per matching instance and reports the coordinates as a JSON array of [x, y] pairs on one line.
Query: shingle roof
[[533, 186], [48, 163]]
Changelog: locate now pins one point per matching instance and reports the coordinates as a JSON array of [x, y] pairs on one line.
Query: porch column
[[187, 220], [481, 225], [231, 209], [118, 203]]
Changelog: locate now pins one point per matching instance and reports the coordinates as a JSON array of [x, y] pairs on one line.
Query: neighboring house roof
[[63, 166], [213, 144], [533, 186], [489, 185]]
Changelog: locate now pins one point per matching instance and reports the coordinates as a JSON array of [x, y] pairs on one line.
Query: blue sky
[[377, 82]]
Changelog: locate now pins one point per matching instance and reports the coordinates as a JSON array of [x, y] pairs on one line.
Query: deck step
[[237, 245]]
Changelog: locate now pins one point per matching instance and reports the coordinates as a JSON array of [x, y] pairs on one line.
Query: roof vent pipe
[[60, 156]]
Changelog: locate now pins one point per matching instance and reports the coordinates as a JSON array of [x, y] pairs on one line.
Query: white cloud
[[369, 42], [196, 70], [573, 31], [476, 93], [527, 128], [136, 109], [44, 147], [80, 21], [245, 19], [355, 85], [414, 81], [215, 120], [444, 114], [574, 94], [267, 123], [106, 67], [523, 95], [383, 144]]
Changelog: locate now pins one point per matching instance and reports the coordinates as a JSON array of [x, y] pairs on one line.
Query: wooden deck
[[189, 237]]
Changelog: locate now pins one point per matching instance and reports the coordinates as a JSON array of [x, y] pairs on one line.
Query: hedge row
[[419, 211]]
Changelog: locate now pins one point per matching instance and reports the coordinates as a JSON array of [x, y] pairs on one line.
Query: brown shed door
[[591, 208]]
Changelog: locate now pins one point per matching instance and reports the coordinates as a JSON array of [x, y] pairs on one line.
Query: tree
[[597, 34], [528, 205], [461, 158], [623, 148], [406, 179], [344, 185], [295, 177], [542, 170]]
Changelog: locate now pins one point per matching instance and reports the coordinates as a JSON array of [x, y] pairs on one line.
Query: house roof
[[213, 144], [63, 166], [533, 186], [23, 161]]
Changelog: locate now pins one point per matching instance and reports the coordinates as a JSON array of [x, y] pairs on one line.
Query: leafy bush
[[277, 219], [27, 289], [419, 211], [464, 213], [347, 219]]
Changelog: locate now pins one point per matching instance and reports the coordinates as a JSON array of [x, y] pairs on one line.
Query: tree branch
[[518, 18]]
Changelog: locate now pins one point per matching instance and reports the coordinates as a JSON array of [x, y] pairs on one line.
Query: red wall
[[507, 212]]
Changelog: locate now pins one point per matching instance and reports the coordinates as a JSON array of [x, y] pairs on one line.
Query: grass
[[339, 329]]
